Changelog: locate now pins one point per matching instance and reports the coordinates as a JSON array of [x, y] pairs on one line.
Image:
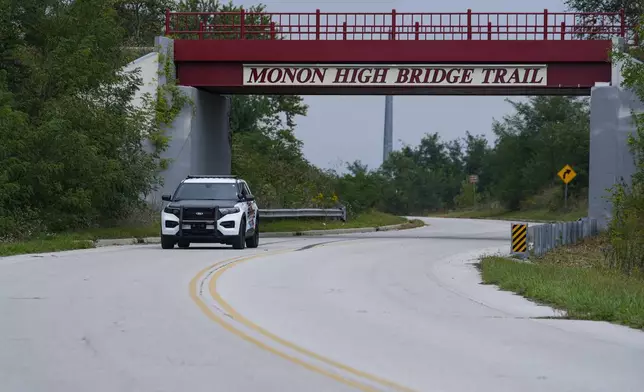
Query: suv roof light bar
[[210, 176]]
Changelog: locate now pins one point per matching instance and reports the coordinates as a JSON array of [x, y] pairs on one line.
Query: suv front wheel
[[167, 242], [253, 242], [240, 241]]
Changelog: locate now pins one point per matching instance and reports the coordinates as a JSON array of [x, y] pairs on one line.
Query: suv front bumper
[[201, 230]]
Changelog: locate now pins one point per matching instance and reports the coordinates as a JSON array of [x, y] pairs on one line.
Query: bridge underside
[[568, 67]]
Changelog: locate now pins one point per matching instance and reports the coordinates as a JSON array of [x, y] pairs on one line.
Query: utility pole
[[389, 127]]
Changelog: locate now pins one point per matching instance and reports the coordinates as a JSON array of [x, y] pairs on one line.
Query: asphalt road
[[399, 311]]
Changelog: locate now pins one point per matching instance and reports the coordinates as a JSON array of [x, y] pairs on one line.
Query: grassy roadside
[[573, 279], [52, 244], [370, 219], [528, 215], [84, 239]]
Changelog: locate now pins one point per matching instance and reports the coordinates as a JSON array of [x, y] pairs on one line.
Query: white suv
[[210, 209]]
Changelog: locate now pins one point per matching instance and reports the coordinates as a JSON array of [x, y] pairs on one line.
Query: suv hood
[[203, 203]]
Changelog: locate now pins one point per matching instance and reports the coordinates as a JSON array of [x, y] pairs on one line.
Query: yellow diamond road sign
[[567, 174]]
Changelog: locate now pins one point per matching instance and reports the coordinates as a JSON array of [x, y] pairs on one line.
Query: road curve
[[387, 311]]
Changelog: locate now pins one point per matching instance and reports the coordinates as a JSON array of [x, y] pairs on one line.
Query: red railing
[[397, 25]]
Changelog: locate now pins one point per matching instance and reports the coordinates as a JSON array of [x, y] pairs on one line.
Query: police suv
[[210, 209]]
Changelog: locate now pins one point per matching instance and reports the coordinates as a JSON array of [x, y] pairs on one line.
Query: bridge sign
[[567, 174], [395, 75], [382, 53]]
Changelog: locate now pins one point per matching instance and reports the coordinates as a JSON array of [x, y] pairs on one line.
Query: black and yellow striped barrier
[[519, 237]]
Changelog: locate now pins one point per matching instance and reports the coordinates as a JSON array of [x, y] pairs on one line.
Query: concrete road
[[390, 311]]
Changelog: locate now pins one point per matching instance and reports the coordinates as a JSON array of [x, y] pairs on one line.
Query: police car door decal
[[250, 223]]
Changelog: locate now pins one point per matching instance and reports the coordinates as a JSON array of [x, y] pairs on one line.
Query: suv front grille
[[199, 213]]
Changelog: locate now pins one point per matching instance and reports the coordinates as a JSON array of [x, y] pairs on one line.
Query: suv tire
[[167, 242], [240, 241], [253, 242]]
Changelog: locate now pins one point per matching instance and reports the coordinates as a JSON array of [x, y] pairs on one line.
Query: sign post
[[474, 179], [567, 174]]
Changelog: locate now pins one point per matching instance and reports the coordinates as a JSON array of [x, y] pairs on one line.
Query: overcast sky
[[340, 129]]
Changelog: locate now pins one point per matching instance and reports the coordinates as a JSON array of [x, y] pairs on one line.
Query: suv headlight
[[226, 211], [172, 210]]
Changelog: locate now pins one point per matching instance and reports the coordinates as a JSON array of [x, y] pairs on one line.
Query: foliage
[[278, 174], [164, 107], [268, 155], [632, 9], [360, 189], [71, 154], [224, 26], [142, 20], [576, 279], [490, 211], [535, 142], [366, 219], [53, 244], [583, 292], [424, 178], [468, 197]]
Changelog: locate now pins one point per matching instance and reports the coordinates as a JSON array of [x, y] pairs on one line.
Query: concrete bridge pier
[[611, 161], [200, 136], [211, 134], [612, 108]]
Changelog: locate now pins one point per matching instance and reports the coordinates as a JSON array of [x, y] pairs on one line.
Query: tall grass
[[626, 250]]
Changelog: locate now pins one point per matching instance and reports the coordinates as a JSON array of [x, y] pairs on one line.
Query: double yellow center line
[[215, 271]]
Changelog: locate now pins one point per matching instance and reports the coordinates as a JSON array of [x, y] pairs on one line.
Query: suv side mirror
[[250, 198], [166, 197]]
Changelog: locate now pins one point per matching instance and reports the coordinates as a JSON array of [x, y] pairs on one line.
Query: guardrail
[[545, 237], [541, 25], [281, 213]]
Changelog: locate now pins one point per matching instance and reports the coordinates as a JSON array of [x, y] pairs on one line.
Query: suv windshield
[[206, 191]]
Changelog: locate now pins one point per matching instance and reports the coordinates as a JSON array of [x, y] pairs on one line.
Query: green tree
[[361, 189], [632, 8], [468, 197], [425, 178], [534, 143], [142, 20], [476, 151], [74, 158], [222, 21], [267, 153]]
